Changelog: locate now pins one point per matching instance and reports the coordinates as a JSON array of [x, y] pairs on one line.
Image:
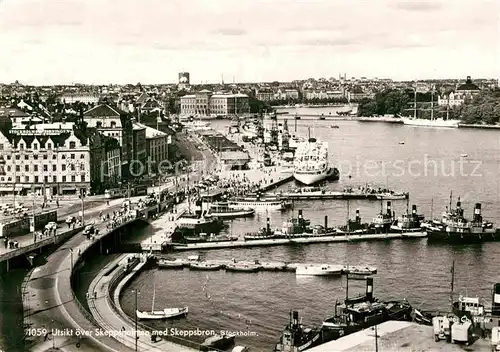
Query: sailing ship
[[166, 313], [432, 122]]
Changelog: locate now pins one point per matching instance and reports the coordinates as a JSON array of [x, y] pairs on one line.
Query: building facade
[[138, 165], [157, 148], [464, 92], [86, 98], [205, 103], [49, 162]]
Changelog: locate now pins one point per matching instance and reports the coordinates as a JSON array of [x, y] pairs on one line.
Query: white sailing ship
[[311, 161], [432, 122], [166, 313]]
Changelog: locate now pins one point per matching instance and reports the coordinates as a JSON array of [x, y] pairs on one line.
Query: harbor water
[[429, 163]]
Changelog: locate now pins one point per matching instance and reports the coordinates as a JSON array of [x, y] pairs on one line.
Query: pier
[[324, 195], [295, 241]]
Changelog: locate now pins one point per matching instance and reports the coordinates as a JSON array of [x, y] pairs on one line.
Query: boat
[[409, 223], [334, 126], [192, 224], [311, 162], [464, 155], [265, 233], [318, 270], [454, 227], [171, 264], [258, 202], [432, 122], [204, 237], [401, 142], [218, 342], [245, 267], [205, 266], [224, 211], [166, 313], [240, 349], [296, 338], [363, 312]]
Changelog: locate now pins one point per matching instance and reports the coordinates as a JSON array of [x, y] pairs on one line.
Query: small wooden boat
[[167, 313], [205, 266], [219, 342], [171, 264], [317, 270], [245, 267]]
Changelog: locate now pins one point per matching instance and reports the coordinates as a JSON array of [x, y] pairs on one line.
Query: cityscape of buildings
[[60, 140]]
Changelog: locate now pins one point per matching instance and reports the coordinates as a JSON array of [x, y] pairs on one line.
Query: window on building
[[54, 179], [82, 156], [63, 156], [21, 146], [46, 179], [54, 167], [35, 146], [36, 179], [18, 157], [1, 148], [72, 156], [64, 179], [45, 167], [82, 166], [72, 145], [45, 156], [26, 157], [82, 178], [18, 179], [18, 168], [35, 156], [26, 168], [72, 167], [2, 179], [8, 157], [8, 168], [73, 178], [49, 145], [26, 179], [35, 167], [63, 167]]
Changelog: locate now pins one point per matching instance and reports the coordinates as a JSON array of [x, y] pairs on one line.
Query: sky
[[150, 41]]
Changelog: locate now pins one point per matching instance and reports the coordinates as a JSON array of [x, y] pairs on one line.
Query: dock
[[323, 195], [295, 241], [401, 336], [278, 266]]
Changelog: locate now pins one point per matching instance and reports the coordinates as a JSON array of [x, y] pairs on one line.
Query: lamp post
[[136, 337]]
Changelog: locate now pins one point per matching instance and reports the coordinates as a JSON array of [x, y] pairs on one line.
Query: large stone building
[[105, 161], [157, 148], [204, 103], [464, 92], [46, 159], [86, 98], [138, 165]]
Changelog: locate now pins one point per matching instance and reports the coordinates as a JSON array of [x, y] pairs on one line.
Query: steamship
[[454, 227], [358, 313]]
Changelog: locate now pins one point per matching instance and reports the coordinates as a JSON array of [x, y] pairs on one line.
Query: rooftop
[[154, 133], [468, 85], [102, 110], [12, 112]]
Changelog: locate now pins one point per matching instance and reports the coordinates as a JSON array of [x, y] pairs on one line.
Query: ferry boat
[[318, 270], [224, 211], [454, 227], [311, 162], [259, 203]]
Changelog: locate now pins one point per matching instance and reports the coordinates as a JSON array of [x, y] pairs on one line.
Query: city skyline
[[94, 42]]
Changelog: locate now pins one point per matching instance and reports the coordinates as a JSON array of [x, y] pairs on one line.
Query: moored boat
[[205, 266], [171, 264], [296, 338], [224, 211], [167, 313], [218, 342], [245, 267], [311, 162], [318, 270]]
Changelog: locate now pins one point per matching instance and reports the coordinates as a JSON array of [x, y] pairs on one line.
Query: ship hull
[[309, 179], [431, 123], [438, 235]]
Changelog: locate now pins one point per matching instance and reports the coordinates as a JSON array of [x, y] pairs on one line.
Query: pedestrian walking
[[95, 294]]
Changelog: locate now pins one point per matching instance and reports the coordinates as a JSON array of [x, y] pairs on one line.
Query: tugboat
[[296, 338], [409, 223], [454, 227], [363, 312], [193, 224], [264, 234]]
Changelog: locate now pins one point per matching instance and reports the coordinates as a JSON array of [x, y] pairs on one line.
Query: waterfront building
[[204, 103], [157, 148], [464, 92], [105, 161], [49, 161], [86, 98], [138, 166]]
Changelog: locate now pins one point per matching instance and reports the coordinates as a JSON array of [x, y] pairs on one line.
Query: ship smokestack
[[326, 222], [459, 203], [358, 218], [389, 212], [477, 213], [414, 209], [369, 289], [495, 306], [268, 225], [295, 318]]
